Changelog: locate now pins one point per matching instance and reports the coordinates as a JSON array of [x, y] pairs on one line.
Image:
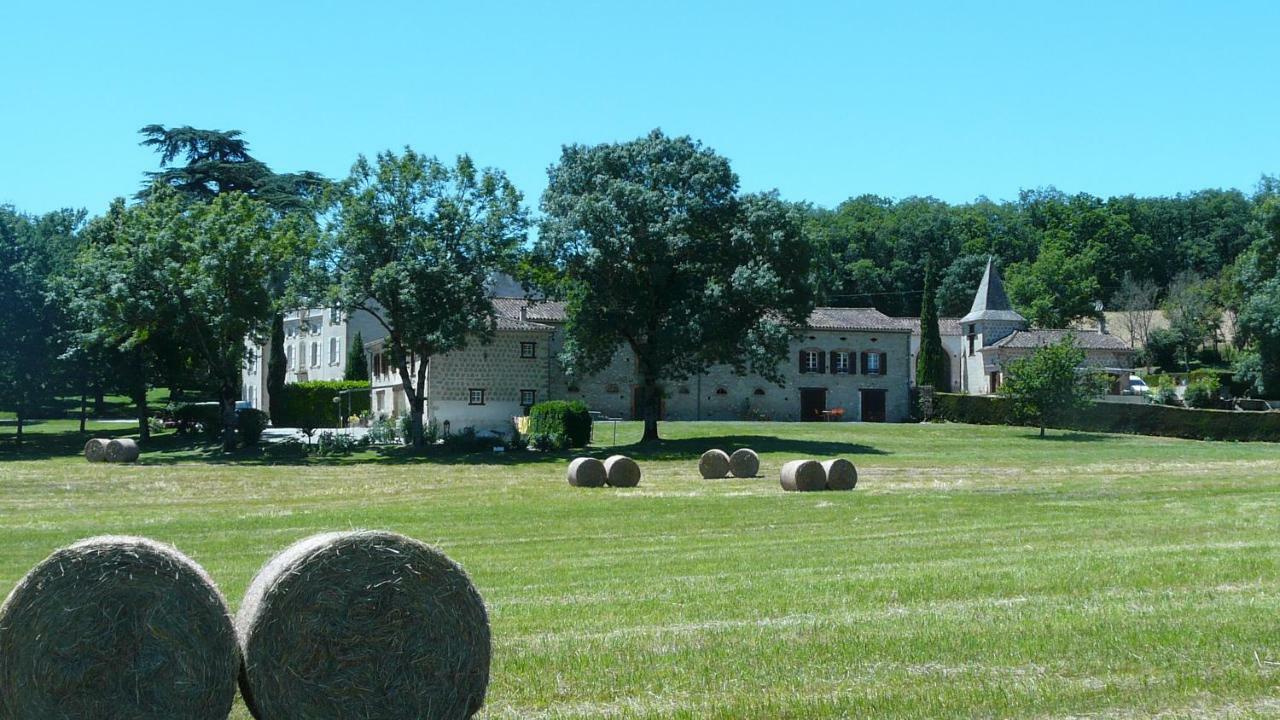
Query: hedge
[[559, 417], [1130, 418], [310, 405]]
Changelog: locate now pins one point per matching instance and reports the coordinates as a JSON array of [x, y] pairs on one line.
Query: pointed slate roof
[[991, 303]]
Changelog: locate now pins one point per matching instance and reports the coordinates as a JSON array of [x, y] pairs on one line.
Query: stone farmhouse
[[993, 334], [848, 364]]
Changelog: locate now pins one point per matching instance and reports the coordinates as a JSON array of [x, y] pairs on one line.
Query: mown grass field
[[975, 572]]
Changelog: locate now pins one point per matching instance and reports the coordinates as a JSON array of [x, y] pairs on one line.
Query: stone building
[[850, 364], [993, 334]]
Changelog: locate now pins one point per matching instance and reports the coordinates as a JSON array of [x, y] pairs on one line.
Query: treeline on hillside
[[650, 239]]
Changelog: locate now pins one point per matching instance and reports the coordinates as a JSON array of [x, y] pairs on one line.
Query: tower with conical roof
[[991, 318]]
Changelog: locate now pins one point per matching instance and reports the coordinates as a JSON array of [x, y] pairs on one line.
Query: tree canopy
[[414, 241], [657, 252], [1049, 383]]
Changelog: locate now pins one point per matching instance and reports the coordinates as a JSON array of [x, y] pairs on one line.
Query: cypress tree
[[276, 362], [357, 364], [932, 365]]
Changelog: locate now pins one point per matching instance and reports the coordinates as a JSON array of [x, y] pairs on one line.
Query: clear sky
[[821, 100]]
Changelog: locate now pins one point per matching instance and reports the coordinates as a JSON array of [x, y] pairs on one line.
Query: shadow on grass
[[169, 448], [38, 444], [1071, 437]]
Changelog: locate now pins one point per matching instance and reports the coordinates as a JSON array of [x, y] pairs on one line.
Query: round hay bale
[[363, 624], [803, 476], [621, 471], [714, 464], [587, 472], [122, 450], [120, 627], [744, 463], [96, 450], [841, 474]]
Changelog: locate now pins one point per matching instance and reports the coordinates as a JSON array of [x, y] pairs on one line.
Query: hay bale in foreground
[[744, 463], [841, 474], [96, 450], [713, 464], [363, 624], [621, 471], [587, 472], [803, 476], [122, 450], [117, 627]]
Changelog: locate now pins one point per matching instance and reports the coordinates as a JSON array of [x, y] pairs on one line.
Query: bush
[[382, 432], [1162, 347], [1124, 418], [331, 443], [251, 424], [1165, 391], [1202, 392], [202, 417], [549, 442], [309, 405], [558, 417]]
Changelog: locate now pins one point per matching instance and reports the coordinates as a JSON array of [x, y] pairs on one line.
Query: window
[[721, 391], [759, 391], [873, 363], [528, 397], [335, 316], [475, 396], [528, 349], [811, 361], [315, 354], [381, 403], [972, 337], [288, 354], [333, 351], [841, 364]]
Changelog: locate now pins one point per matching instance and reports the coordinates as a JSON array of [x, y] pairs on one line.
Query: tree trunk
[[84, 409], [651, 409], [1041, 428], [227, 399], [99, 400], [415, 416], [144, 422], [18, 439]]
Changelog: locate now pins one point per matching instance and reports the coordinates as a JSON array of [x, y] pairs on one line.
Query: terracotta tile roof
[[946, 326], [833, 318], [1040, 338]]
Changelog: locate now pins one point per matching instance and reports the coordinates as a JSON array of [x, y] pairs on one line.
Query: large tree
[[200, 164], [656, 251], [1047, 385], [414, 242], [33, 251]]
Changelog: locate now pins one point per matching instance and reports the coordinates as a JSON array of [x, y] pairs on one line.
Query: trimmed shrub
[[1129, 418], [205, 417], [309, 405], [252, 422], [560, 417]]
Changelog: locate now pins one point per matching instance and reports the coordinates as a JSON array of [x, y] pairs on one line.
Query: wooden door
[[873, 405], [812, 402]]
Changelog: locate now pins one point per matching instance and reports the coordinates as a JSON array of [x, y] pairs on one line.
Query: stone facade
[[864, 388]]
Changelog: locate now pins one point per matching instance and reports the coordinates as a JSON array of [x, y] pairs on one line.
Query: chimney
[[1102, 317], [524, 312]]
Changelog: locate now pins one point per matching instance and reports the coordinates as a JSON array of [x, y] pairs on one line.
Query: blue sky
[[821, 100]]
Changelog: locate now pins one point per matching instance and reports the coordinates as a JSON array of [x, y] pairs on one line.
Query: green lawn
[[975, 572]]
